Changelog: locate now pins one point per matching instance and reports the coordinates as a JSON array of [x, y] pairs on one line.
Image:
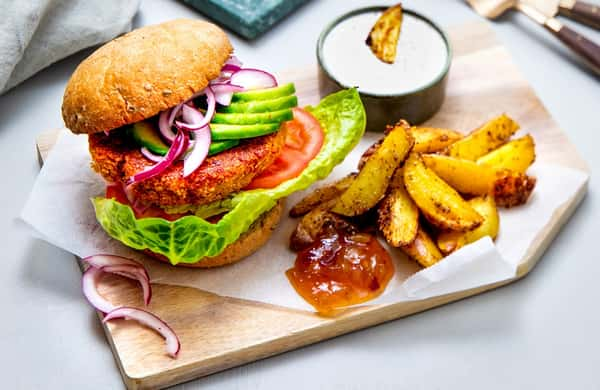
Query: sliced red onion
[[165, 123], [224, 92], [177, 147], [198, 152], [135, 272], [149, 155], [103, 260], [89, 285], [230, 68], [200, 123], [253, 79], [150, 320]]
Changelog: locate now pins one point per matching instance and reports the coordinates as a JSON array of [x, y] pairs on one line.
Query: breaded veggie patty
[[117, 158]]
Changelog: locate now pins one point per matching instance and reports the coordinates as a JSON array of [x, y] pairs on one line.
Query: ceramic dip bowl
[[412, 88]]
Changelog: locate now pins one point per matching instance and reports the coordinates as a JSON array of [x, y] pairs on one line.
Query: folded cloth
[[37, 33]]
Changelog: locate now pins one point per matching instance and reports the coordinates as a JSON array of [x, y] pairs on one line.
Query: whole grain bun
[[142, 73], [248, 243]]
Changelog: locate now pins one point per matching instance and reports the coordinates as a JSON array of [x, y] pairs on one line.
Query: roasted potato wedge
[[439, 203], [322, 195], [423, 250], [465, 176], [398, 214], [485, 139], [383, 38], [516, 155], [431, 139], [513, 188], [450, 241], [317, 222], [388, 129], [372, 181]]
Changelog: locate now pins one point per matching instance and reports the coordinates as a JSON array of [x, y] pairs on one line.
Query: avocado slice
[[221, 146], [229, 132], [253, 119], [145, 134], [264, 94], [261, 105]]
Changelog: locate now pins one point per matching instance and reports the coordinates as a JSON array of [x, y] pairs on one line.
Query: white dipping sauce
[[421, 56]]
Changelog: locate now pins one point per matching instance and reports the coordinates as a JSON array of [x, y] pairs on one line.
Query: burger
[[198, 152]]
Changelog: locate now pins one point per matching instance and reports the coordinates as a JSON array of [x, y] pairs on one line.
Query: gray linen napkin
[[37, 33]]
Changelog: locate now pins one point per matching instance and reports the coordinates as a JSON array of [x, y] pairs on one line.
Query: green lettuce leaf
[[191, 238]]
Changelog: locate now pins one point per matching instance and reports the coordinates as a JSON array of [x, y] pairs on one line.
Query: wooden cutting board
[[218, 332]]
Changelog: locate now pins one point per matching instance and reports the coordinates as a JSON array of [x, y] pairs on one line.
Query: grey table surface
[[541, 332]]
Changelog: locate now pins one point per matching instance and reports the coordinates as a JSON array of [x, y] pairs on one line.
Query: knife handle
[[587, 49], [581, 11]]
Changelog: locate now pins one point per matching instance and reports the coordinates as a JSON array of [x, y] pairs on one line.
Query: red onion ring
[[165, 123], [179, 145], [150, 320], [135, 272], [149, 155], [224, 92], [198, 152], [210, 111], [103, 260], [230, 68], [253, 79], [89, 285]]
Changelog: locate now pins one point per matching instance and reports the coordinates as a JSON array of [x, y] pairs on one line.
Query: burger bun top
[[142, 73]]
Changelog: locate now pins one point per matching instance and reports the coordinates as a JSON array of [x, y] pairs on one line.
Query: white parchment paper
[[60, 212]]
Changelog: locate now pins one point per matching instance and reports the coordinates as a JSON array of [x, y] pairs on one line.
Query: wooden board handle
[[588, 50], [582, 12]]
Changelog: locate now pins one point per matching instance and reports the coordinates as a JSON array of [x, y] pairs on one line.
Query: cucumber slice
[[261, 105], [264, 94], [221, 146], [145, 134], [253, 119], [229, 132]]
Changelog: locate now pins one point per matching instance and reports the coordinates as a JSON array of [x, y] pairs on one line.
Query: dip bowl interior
[[422, 67]]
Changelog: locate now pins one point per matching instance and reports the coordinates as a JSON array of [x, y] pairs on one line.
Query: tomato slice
[[303, 142]]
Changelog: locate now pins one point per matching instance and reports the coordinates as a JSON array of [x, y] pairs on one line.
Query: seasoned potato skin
[[423, 249], [431, 139], [322, 195], [383, 38], [451, 241], [439, 203], [516, 155], [484, 139], [398, 215], [513, 189], [372, 181]]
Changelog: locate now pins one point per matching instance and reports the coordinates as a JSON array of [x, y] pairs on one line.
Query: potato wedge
[[315, 223], [322, 195], [383, 38], [516, 155], [486, 206], [465, 176], [372, 181], [423, 250], [398, 215], [513, 188], [388, 129], [431, 139], [485, 139], [440, 203]]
